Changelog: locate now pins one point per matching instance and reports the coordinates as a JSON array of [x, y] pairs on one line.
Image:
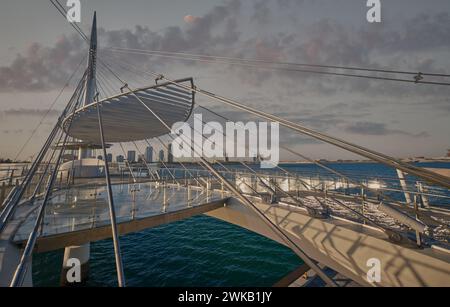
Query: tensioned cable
[[324, 206], [14, 198], [28, 250], [328, 169], [324, 167], [104, 79], [118, 257], [298, 201], [128, 164], [63, 12], [288, 69], [156, 52], [48, 110], [373, 155]]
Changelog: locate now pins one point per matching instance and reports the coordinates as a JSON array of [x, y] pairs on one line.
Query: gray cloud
[[219, 32], [15, 131], [42, 68], [29, 112], [22, 112], [378, 129]]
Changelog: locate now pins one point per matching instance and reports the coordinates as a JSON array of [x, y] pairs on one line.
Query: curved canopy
[[125, 119]]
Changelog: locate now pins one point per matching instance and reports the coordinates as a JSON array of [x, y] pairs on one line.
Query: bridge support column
[[72, 274]]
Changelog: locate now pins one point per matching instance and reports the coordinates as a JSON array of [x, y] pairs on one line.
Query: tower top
[[91, 83]]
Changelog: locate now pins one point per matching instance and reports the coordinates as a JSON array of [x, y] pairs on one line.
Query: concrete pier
[[75, 269]]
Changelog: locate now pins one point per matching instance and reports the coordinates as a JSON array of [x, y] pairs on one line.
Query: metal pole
[[401, 177], [379, 157], [112, 213], [14, 197], [271, 225], [266, 220], [22, 267], [416, 210]]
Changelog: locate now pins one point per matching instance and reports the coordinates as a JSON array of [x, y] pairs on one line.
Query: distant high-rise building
[[120, 159], [109, 157], [170, 154], [131, 156], [149, 154], [161, 155]]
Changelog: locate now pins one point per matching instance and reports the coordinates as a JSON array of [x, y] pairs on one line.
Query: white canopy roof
[[125, 119]]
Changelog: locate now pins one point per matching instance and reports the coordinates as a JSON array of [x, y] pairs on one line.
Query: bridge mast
[[91, 81]]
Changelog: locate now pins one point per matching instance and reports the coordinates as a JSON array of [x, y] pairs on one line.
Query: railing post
[[362, 204], [423, 198], [3, 193], [416, 209], [112, 211], [189, 196], [11, 177], [401, 177]]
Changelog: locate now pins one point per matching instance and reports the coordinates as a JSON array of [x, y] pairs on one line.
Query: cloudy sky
[[39, 51]]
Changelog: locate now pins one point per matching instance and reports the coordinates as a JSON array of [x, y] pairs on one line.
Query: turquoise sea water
[[200, 251]]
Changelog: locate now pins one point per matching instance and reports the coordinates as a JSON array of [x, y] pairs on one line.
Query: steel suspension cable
[[15, 197], [48, 111], [21, 269], [288, 69], [320, 165], [128, 164], [119, 266], [244, 199], [202, 56], [112, 211], [373, 155]]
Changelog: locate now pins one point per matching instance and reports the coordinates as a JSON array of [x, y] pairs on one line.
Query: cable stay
[[417, 77], [202, 56], [367, 153]]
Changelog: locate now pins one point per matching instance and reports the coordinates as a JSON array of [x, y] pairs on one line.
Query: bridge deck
[[80, 215]]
